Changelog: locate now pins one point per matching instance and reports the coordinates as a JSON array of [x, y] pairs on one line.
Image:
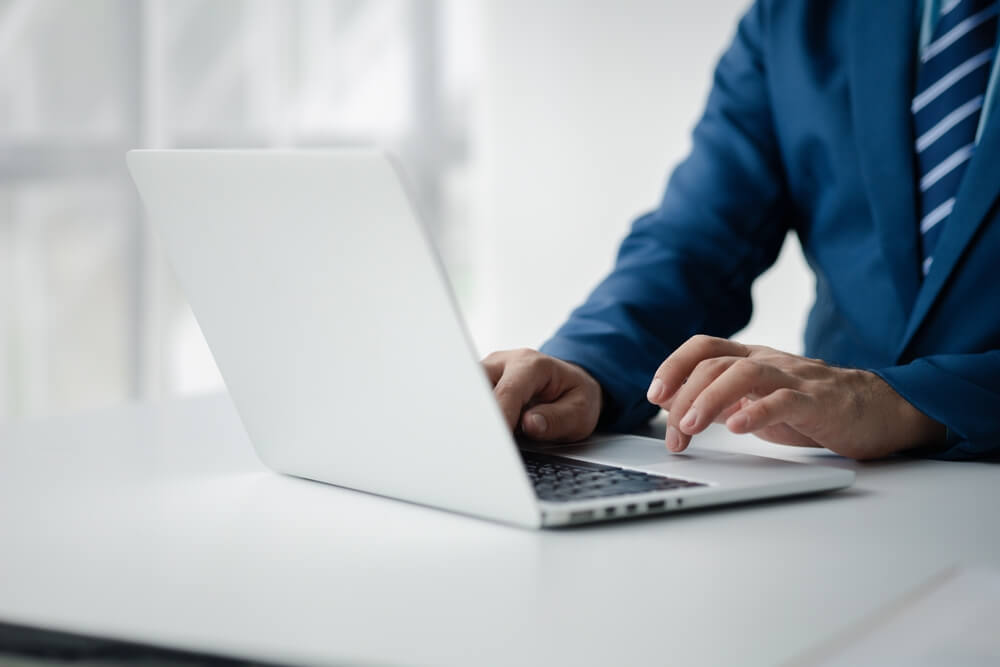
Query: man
[[869, 128]]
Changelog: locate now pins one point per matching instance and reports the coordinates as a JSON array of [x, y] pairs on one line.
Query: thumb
[[567, 419]]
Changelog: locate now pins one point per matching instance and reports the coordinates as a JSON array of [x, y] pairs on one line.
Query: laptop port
[[656, 505], [680, 501], [609, 511], [581, 515], [631, 508]]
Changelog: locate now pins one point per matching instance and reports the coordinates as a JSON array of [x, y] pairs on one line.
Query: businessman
[[871, 129]]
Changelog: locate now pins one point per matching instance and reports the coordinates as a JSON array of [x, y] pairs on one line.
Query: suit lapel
[[882, 45], [973, 201]]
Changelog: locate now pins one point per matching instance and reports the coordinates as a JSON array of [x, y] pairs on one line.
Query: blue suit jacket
[[808, 128]]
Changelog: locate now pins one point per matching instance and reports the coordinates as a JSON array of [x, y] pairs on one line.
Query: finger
[[783, 434], [565, 420], [494, 369], [704, 374], [782, 406], [519, 384], [721, 419], [731, 410], [678, 366], [675, 440], [744, 378]]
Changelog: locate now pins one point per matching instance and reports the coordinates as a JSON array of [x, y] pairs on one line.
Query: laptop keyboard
[[560, 479]]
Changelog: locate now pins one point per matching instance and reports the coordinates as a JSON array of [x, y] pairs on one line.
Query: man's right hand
[[547, 398]]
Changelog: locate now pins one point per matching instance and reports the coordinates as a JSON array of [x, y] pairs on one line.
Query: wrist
[[907, 427]]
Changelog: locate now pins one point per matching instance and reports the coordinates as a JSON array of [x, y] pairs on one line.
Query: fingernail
[[538, 423], [673, 439], [689, 419], [655, 387]]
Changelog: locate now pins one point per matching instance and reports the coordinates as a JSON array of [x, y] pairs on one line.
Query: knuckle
[[703, 366], [711, 400], [779, 360], [682, 400], [702, 342], [802, 417], [532, 358], [511, 356], [811, 387], [496, 355], [503, 391], [702, 339], [785, 397], [493, 362], [712, 365], [748, 367], [537, 363], [761, 410]]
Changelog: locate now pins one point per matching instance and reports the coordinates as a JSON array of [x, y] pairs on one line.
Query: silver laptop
[[336, 332]]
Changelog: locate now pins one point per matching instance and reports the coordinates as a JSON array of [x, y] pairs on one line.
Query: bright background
[[534, 133]]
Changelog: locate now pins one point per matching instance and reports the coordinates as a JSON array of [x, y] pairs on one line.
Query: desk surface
[[158, 524]]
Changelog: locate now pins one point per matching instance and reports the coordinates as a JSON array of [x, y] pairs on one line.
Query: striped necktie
[[953, 75]]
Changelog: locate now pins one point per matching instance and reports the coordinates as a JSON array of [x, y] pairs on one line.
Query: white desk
[[158, 524]]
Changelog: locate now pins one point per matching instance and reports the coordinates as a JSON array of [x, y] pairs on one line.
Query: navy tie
[[951, 84]]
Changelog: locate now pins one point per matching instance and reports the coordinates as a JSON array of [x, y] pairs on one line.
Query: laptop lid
[[333, 324]]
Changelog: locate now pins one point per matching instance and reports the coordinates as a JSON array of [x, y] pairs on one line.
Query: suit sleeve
[[961, 391], [687, 267]]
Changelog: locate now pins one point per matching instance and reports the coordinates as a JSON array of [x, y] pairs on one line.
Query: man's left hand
[[786, 399]]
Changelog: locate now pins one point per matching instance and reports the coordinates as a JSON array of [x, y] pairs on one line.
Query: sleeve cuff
[[624, 406], [940, 396]]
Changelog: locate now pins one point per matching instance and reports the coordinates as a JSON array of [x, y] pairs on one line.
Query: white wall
[[586, 106]]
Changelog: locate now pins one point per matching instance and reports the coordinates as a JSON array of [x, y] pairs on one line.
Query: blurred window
[[89, 316]]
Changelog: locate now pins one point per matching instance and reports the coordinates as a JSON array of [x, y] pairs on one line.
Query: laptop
[[335, 329]]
